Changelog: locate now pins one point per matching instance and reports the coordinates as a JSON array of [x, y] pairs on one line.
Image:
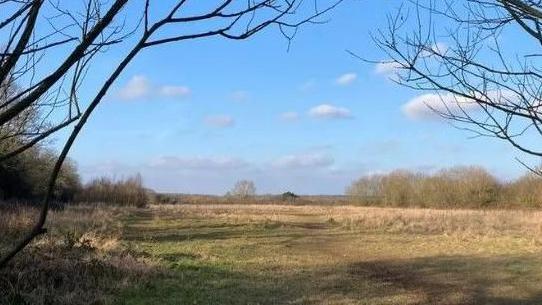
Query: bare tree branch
[[42, 99], [485, 87]]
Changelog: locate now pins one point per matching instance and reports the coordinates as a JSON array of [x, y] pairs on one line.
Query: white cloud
[[307, 86], [174, 91], [137, 87], [309, 160], [216, 174], [381, 147], [346, 79], [389, 69], [427, 106], [289, 116], [197, 163], [327, 111], [107, 168], [438, 48], [220, 121]]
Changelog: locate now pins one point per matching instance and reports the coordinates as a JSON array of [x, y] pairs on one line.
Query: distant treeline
[[458, 187], [280, 199], [25, 177]]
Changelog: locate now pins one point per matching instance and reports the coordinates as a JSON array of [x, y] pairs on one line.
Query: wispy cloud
[[219, 121], [307, 86], [240, 96], [108, 168], [381, 147], [346, 79], [197, 163], [389, 69], [438, 48], [216, 174], [174, 91], [308, 160], [139, 87], [289, 116], [327, 111]]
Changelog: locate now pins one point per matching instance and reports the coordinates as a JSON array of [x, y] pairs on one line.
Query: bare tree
[[479, 59], [243, 189], [49, 47]]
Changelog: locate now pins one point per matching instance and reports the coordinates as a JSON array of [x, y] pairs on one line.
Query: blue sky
[[197, 116]]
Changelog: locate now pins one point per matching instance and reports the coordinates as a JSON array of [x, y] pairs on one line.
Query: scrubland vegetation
[[459, 236], [458, 187], [24, 179], [275, 254], [79, 261], [124, 192]]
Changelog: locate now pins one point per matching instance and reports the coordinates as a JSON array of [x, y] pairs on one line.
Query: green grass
[[239, 255]]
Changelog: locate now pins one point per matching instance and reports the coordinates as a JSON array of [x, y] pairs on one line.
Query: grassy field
[[272, 254]]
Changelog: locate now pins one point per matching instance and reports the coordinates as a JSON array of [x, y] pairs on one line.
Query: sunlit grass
[[337, 255], [79, 261], [275, 254]]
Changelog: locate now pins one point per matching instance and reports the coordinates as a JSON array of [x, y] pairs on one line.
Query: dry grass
[[271, 254], [79, 261], [276, 254], [409, 220]]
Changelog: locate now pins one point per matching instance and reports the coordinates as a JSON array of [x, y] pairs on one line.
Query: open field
[[273, 254]]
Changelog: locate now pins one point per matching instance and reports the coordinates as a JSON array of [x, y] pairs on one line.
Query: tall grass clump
[[79, 261], [126, 192]]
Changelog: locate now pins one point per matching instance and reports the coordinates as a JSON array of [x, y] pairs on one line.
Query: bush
[[126, 192], [527, 191], [454, 187], [289, 196]]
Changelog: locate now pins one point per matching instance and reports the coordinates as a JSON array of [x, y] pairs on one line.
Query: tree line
[[23, 179], [457, 187], [25, 176]]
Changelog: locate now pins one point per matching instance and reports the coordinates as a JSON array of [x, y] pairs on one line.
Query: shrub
[[127, 192], [289, 197], [454, 187], [527, 191]]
